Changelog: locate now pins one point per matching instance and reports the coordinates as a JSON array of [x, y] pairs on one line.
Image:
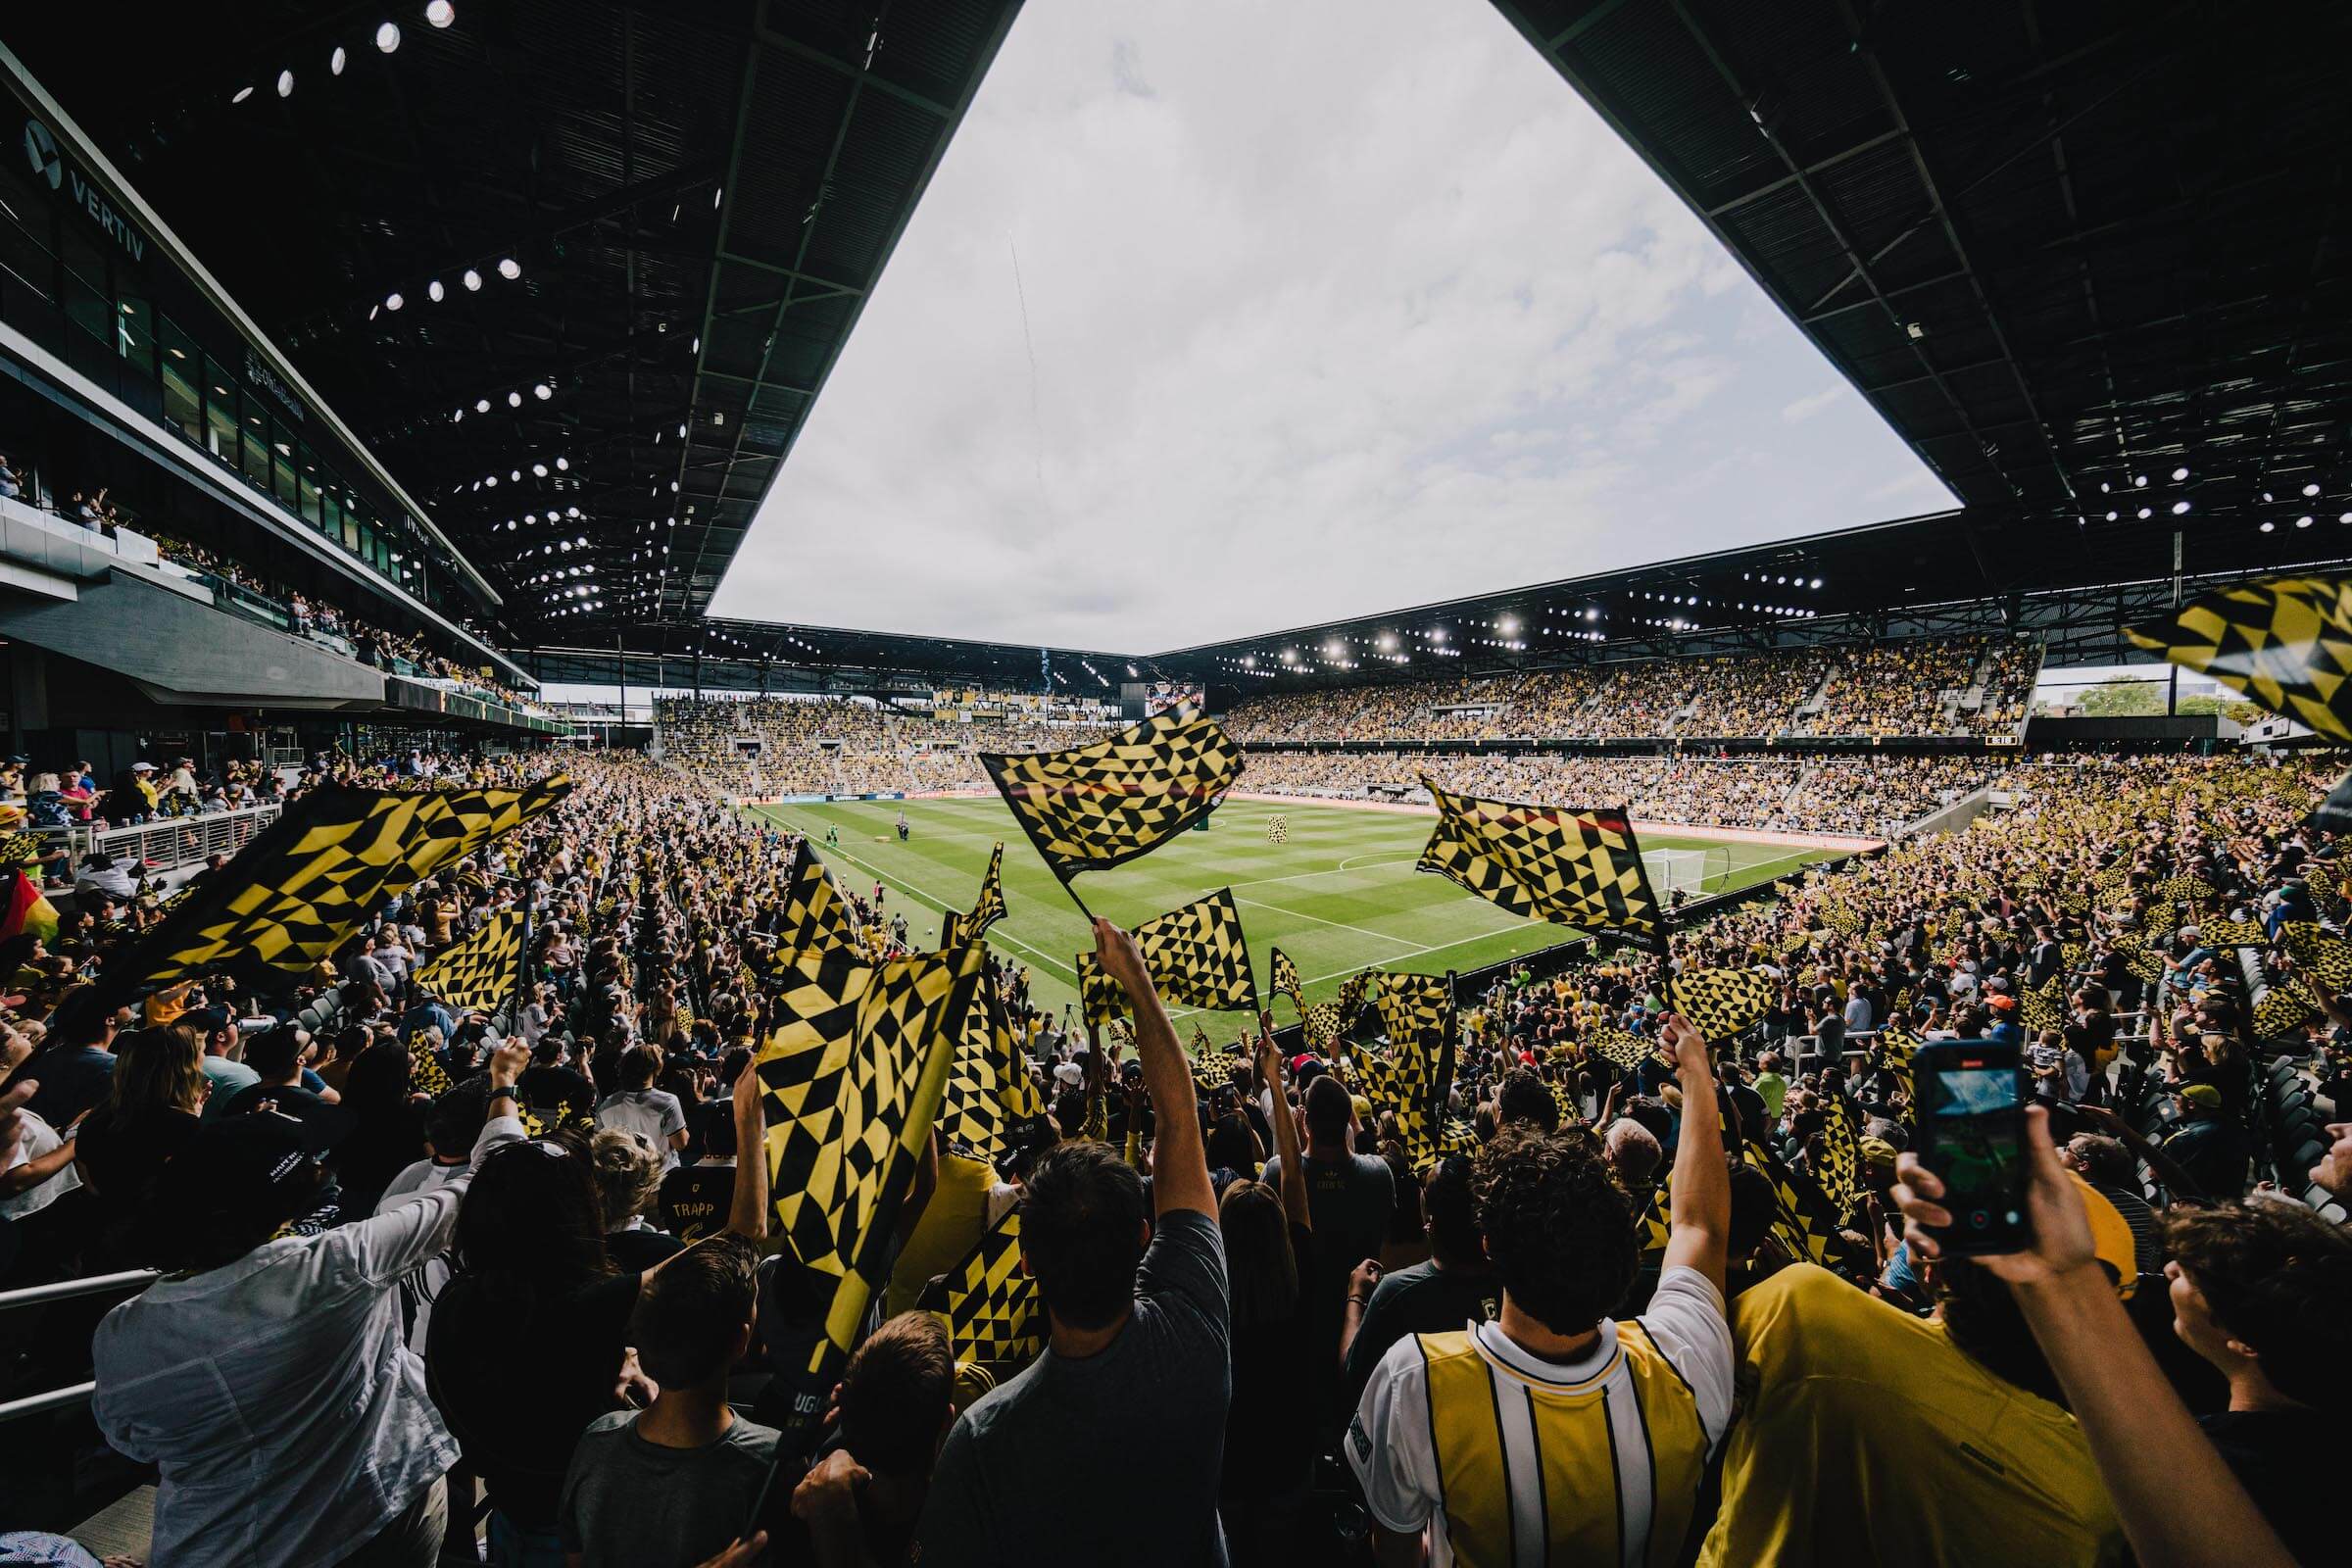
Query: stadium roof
[[693, 200], [2060, 247]]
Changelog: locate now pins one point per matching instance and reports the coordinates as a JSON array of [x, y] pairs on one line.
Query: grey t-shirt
[[1350, 1200], [1047, 1467], [630, 1503]]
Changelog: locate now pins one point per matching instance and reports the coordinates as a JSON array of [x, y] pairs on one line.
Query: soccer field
[[1341, 895]]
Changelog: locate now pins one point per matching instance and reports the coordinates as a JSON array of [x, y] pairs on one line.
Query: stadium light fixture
[[2304, 521], [2311, 489], [285, 84], [542, 391], [2180, 509], [387, 37], [2179, 475], [1507, 625], [2145, 514], [435, 292], [514, 400], [440, 13], [481, 405], [335, 62], [472, 282], [510, 269], [393, 301], [2268, 525], [2139, 481]]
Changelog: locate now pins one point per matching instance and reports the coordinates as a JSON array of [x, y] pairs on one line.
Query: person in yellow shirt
[[1869, 1435]]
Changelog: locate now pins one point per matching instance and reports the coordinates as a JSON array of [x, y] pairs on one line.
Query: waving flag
[[1546, 863], [2285, 643], [956, 930], [1196, 959], [1102, 804]]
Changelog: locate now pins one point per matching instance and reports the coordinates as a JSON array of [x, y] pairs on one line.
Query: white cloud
[[1804, 407], [1336, 306]]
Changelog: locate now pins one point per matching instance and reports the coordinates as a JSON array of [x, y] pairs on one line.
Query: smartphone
[[1972, 1134]]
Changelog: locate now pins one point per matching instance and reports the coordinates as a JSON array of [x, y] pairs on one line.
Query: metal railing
[[169, 842], [63, 1290]]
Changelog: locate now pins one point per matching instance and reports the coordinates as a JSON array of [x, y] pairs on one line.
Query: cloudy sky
[[1333, 306]]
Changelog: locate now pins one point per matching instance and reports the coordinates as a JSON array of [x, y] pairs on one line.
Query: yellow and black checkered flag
[[479, 973], [992, 1105], [851, 1078], [298, 891], [1841, 1155], [2282, 1008], [2044, 1008], [1891, 1053], [1546, 863], [1625, 1052], [1326, 1022], [2324, 959], [1807, 1226], [2232, 934], [993, 1310], [1103, 804], [1285, 981], [814, 916], [1721, 1003], [426, 1075], [1416, 1013], [956, 930], [1196, 957], [2285, 643]]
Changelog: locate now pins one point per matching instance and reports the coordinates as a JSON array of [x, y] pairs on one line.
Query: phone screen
[[1972, 1135]]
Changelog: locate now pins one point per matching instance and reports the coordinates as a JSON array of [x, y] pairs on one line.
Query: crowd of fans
[[839, 745], [1917, 688], [1869, 796], [431, 1279]]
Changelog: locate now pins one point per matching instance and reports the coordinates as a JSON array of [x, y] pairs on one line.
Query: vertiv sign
[[49, 162]]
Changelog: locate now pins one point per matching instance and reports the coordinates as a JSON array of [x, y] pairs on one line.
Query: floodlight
[[387, 37]]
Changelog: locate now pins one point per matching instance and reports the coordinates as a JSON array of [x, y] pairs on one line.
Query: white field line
[[1350, 864], [1302, 914], [905, 886]]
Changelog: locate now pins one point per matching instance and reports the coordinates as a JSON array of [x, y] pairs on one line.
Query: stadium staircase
[[1796, 791], [1811, 707]]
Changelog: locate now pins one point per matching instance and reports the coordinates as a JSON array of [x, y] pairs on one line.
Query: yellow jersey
[[1866, 1435]]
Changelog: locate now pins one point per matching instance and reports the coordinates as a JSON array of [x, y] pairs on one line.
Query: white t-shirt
[[39, 1139], [1396, 1456], [652, 1114]]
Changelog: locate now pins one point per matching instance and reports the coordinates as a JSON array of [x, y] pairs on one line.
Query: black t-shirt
[[124, 1160], [695, 1199], [72, 1079], [2287, 1462], [1421, 1300], [517, 1381]]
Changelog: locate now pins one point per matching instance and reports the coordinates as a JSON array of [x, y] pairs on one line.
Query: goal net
[[1686, 871]]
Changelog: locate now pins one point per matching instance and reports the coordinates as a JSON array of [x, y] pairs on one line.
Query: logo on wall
[[40, 150]]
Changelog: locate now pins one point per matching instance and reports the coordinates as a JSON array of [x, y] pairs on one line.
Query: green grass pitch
[[1341, 895]]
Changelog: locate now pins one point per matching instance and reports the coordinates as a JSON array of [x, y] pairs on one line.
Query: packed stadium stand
[[441, 1123]]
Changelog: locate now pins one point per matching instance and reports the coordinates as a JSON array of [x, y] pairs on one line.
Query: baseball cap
[[256, 1168], [2206, 1095], [2111, 1239], [142, 768]]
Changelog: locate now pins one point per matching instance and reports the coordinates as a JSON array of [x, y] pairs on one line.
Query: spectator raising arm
[[747, 1216], [2179, 1505], [1179, 1159], [1285, 1122], [1700, 1194]]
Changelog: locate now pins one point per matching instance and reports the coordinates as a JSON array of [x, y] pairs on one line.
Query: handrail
[[168, 842], [67, 1290], [61, 1290]]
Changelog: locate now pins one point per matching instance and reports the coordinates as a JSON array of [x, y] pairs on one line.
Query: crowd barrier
[[166, 843]]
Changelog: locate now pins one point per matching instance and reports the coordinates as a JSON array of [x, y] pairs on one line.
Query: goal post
[[1694, 873], [1672, 872]]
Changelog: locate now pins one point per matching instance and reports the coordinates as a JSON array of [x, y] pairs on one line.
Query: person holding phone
[[2175, 1499]]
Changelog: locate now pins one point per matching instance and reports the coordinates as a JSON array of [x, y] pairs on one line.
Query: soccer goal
[[1690, 872]]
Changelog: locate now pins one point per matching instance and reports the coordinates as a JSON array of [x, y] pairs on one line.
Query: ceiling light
[[539, 468], [510, 269], [387, 37], [285, 84], [2179, 475], [514, 400], [435, 292], [2180, 509], [472, 280], [542, 391], [393, 301], [2311, 489], [562, 463], [440, 13], [481, 405], [1817, 582], [334, 61], [2145, 514], [2139, 481], [2268, 525], [2304, 521]]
